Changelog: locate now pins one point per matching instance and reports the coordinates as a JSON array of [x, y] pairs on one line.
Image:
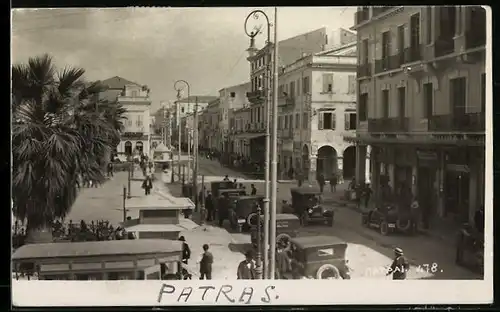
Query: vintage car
[[243, 211], [224, 200], [388, 218], [306, 204], [287, 226], [216, 186], [317, 257], [470, 248]]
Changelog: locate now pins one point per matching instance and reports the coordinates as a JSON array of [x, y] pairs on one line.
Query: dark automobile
[[287, 226], [306, 204], [220, 185], [317, 257], [243, 211], [470, 248], [224, 200], [388, 218]]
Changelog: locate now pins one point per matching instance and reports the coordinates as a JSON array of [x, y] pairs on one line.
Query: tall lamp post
[[178, 87], [251, 51]]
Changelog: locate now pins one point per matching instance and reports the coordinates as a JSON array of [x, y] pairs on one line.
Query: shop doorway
[[128, 148], [456, 190], [349, 163], [327, 161], [426, 178]]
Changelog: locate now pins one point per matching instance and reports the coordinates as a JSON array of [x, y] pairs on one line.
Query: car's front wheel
[[384, 227]]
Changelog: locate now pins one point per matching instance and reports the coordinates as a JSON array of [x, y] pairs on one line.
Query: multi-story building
[[421, 104], [317, 108], [260, 66], [185, 107], [209, 136], [239, 127], [231, 98], [135, 99]]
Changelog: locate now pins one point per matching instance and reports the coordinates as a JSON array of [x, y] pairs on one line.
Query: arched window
[[128, 148]]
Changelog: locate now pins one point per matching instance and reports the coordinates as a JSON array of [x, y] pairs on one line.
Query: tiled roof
[[118, 82], [99, 248], [201, 99]]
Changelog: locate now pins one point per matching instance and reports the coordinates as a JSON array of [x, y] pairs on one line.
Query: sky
[[157, 46]]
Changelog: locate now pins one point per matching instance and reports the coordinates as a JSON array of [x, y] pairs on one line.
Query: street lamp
[[251, 52], [179, 89]]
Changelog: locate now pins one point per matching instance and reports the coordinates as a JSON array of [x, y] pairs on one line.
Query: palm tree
[[55, 137]]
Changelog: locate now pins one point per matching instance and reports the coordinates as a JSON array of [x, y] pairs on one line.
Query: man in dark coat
[[400, 265], [186, 251], [254, 190], [209, 206], [333, 182], [206, 264], [246, 268], [321, 182], [147, 185]]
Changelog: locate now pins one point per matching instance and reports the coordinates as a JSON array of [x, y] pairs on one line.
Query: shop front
[[427, 188]]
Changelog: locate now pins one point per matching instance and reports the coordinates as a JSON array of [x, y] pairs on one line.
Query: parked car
[[388, 219], [317, 257], [287, 226], [243, 211], [307, 205]]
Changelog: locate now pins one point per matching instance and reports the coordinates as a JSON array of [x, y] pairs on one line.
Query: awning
[[249, 135]]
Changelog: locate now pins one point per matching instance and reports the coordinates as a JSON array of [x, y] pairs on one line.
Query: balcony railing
[[444, 46], [364, 70], [381, 65], [255, 95], [388, 125], [475, 39], [286, 100], [473, 122], [361, 16], [412, 54]]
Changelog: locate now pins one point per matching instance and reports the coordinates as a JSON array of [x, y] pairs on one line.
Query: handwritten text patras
[[221, 294]]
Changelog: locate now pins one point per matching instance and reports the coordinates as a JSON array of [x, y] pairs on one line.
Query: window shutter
[[320, 121], [346, 121], [334, 120]]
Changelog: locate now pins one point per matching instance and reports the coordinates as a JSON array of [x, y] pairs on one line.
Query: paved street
[[368, 251]]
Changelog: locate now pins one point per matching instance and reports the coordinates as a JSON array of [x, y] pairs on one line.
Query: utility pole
[[164, 137], [274, 151], [195, 155], [188, 140]]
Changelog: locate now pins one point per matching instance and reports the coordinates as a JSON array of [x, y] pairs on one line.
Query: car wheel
[[384, 227], [329, 221], [328, 271], [283, 238], [401, 225]]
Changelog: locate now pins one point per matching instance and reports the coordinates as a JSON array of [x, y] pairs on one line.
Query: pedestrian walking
[[321, 182], [206, 262], [254, 190], [283, 261], [186, 251], [399, 266], [246, 268], [209, 205], [333, 183], [147, 185]]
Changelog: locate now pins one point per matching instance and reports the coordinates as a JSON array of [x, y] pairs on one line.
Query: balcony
[[286, 100], [382, 65], [388, 125], [475, 39], [444, 46], [286, 133], [473, 122], [412, 54], [255, 96], [361, 16], [365, 70]]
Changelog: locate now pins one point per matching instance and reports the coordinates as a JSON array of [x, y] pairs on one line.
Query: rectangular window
[[386, 45], [385, 103], [402, 102], [292, 89], [297, 121], [350, 120], [280, 122], [483, 93], [415, 30], [429, 24], [458, 101], [364, 49], [305, 119], [352, 84], [286, 122], [363, 107], [291, 121], [233, 94], [305, 85], [134, 93], [280, 90], [428, 98], [401, 38], [258, 114], [298, 86], [326, 121], [327, 83]]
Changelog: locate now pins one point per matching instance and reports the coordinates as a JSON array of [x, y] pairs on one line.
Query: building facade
[[135, 137], [209, 135], [421, 104], [317, 108], [239, 125]]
